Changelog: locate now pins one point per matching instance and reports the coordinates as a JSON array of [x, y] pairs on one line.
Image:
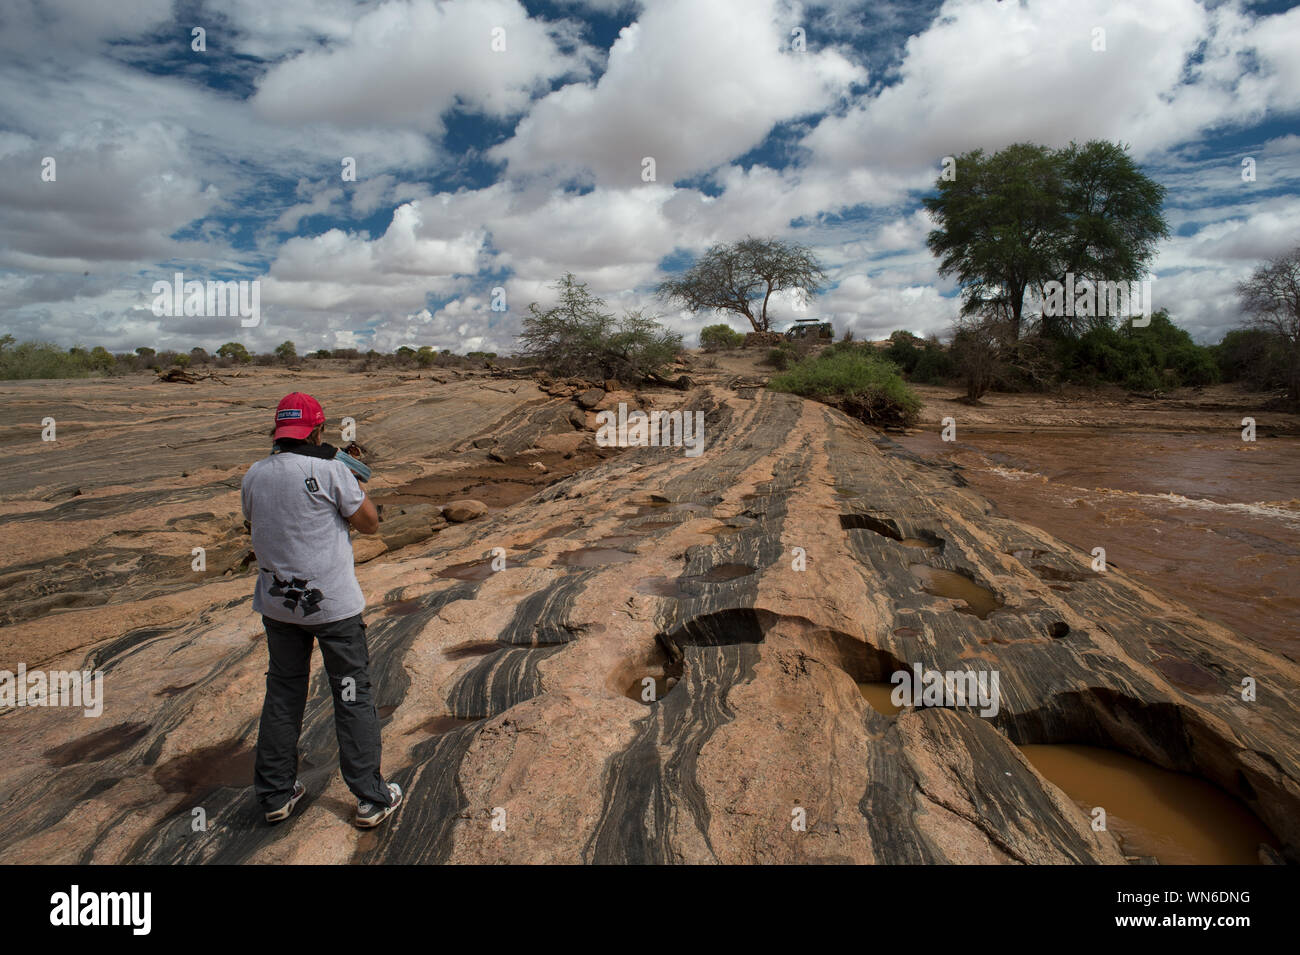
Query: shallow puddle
[[946, 583], [878, 695], [619, 541], [1178, 819], [472, 570], [593, 557], [724, 572]]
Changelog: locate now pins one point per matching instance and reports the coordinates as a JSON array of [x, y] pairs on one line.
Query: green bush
[[1254, 357], [715, 337], [44, 360], [855, 380], [782, 356], [1160, 355], [934, 366]]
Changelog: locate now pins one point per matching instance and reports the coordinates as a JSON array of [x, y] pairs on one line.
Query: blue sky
[[480, 168]]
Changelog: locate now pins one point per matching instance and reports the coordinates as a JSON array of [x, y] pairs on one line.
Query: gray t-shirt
[[298, 506]]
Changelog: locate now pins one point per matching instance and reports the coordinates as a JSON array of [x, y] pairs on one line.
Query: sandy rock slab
[[665, 667]]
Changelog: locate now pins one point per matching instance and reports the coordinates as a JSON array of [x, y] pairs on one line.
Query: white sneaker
[[369, 815], [285, 811]]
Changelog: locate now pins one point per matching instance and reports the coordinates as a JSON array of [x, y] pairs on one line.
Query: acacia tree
[[742, 277], [1027, 215], [1271, 297], [577, 336]]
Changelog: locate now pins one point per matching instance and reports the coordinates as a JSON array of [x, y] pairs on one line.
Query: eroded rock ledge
[[519, 690]]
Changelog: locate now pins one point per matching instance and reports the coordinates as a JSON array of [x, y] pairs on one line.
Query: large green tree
[[1026, 215], [743, 276]]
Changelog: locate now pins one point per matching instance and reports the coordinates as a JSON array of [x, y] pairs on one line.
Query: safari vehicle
[[805, 328]]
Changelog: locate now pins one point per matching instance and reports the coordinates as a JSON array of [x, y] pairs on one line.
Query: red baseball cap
[[297, 415]]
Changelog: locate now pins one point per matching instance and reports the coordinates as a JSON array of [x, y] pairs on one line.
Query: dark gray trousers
[[356, 722]]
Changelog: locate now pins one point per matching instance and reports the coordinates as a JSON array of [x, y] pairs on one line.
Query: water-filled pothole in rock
[[619, 541], [947, 583], [878, 695], [97, 745], [385, 711], [724, 572], [1178, 819], [592, 557], [472, 570]]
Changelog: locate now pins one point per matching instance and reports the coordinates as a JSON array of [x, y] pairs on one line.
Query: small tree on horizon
[[235, 351], [578, 337], [743, 276]]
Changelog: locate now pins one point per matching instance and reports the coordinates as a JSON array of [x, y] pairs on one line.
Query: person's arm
[[354, 505], [365, 519]]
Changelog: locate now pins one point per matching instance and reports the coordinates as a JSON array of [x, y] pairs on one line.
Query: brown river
[[1206, 519]]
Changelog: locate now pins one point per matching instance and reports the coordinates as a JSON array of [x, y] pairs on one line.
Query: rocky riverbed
[[673, 663]]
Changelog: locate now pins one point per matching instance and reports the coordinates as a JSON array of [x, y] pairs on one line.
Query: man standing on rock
[[299, 502]]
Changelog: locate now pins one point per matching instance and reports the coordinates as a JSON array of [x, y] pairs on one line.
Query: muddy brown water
[[946, 583], [1205, 519], [473, 570], [593, 557], [878, 695], [1176, 818]]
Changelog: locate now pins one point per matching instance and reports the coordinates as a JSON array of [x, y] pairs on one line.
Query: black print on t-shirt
[[294, 592]]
